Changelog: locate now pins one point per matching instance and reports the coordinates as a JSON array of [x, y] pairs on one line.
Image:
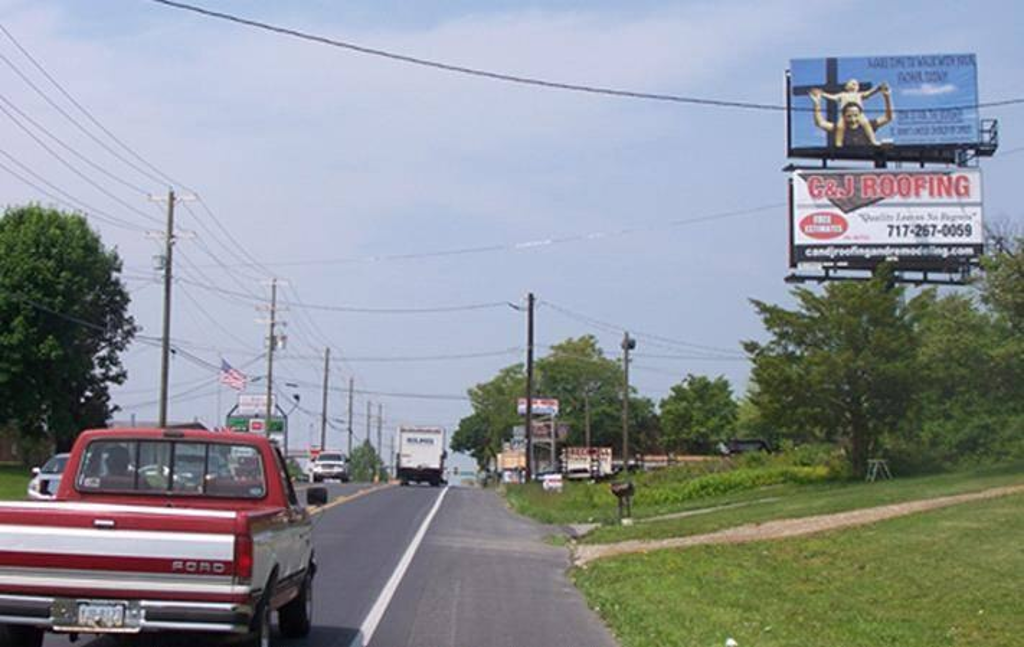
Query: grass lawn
[[791, 501], [13, 481], [950, 577]]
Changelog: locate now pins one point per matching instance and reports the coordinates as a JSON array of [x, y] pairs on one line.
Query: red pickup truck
[[158, 530]]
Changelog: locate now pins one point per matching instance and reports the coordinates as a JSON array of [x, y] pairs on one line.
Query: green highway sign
[[247, 423]]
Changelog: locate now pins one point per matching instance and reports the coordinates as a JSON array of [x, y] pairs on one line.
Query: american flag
[[231, 376]]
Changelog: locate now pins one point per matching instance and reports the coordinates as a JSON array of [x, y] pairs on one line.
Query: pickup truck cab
[[156, 530]]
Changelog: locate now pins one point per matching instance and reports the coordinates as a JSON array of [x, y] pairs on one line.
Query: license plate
[[101, 616]]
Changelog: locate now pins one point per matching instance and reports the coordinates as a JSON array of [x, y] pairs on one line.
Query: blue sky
[[305, 152]]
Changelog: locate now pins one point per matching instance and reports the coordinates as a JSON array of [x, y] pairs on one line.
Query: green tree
[[63, 324], [576, 372], [840, 367], [1002, 285], [494, 415], [365, 462], [698, 413]]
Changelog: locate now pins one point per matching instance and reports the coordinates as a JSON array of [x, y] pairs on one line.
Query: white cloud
[[929, 90]]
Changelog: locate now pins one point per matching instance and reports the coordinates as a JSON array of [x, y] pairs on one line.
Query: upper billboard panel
[[897, 106]]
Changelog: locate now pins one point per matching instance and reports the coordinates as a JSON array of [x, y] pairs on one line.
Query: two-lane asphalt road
[[428, 567]]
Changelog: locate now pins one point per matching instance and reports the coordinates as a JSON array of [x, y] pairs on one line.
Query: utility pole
[[530, 300], [586, 417], [351, 391], [380, 430], [169, 237], [369, 422], [380, 440], [165, 347], [271, 347], [628, 344], [323, 410]]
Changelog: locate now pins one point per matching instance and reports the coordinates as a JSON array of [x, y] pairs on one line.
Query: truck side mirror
[[316, 496], [35, 471]]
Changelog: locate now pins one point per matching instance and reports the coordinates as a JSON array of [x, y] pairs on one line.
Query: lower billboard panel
[[920, 220]]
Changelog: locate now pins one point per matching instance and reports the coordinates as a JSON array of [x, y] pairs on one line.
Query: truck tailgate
[[122, 551]]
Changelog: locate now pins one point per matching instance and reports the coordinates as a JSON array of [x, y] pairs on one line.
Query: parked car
[[156, 530], [329, 465], [46, 479]]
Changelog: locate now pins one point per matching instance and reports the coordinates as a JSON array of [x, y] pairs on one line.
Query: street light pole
[[628, 344]]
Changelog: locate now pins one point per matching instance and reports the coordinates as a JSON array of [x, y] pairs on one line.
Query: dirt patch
[[784, 528]]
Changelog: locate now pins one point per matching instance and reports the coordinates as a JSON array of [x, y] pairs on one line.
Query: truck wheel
[[17, 636], [296, 617], [259, 636]]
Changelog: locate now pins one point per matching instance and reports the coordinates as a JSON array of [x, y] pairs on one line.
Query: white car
[[46, 479], [329, 466]]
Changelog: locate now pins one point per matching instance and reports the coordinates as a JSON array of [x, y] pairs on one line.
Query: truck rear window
[[172, 467]]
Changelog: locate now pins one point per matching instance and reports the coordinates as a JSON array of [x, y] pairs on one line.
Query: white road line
[[376, 613]]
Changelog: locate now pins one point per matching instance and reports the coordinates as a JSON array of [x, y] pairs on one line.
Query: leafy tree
[[1003, 284], [63, 324], [365, 462], [494, 414], [698, 413], [576, 371], [840, 367], [970, 367]]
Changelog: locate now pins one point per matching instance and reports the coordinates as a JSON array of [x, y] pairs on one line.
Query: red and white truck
[[159, 530]]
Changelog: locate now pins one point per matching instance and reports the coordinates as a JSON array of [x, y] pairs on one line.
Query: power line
[[487, 305], [70, 201], [60, 142], [510, 78], [691, 358], [91, 182], [98, 124], [529, 245], [611, 327], [53, 104]]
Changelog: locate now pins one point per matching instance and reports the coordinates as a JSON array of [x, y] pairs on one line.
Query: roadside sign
[[243, 423], [257, 426], [251, 404], [541, 406], [552, 482]]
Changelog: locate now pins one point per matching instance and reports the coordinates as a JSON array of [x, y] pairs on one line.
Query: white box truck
[[421, 454]]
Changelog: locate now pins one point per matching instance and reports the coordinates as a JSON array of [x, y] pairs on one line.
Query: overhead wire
[[68, 200], [75, 170], [528, 245], [505, 77], [611, 327], [53, 104]]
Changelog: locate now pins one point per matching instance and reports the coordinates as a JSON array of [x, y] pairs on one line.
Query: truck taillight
[[243, 557]]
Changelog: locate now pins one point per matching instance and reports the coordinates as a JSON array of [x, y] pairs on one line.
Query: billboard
[[925, 220], [541, 407], [250, 404], [902, 106]]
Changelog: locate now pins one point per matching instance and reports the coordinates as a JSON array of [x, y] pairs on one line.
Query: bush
[[737, 480]]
